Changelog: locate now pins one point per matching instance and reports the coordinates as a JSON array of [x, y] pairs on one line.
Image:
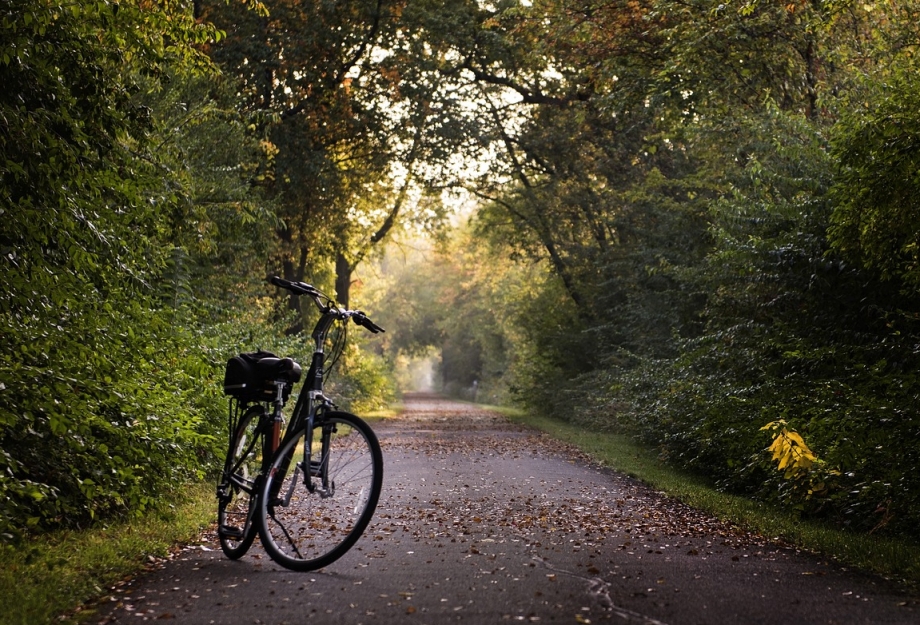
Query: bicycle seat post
[[276, 415]]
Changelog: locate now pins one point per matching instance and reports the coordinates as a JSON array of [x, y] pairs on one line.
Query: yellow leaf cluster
[[790, 451]]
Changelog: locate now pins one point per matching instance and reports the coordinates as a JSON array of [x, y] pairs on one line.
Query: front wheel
[[311, 514]]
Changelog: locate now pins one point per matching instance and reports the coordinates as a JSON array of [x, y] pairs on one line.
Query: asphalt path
[[483, 521]]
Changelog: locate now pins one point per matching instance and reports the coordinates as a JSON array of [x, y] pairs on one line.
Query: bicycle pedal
[[228, 531]]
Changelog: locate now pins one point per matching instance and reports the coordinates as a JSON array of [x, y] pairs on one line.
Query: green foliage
[[109, 393], [219, 224], [792, 333], [363, 381], [695, 221], [468, 312], [878, 187], [350, 105], [106, 425]]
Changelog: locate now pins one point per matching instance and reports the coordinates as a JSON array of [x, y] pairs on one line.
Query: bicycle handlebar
[[302, 288]]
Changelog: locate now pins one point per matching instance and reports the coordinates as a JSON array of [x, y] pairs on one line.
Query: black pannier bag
[[243, 381]]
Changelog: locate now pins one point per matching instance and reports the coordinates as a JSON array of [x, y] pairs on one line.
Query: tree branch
[[530, 96]]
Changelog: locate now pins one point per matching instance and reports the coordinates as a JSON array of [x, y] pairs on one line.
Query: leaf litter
[[473, 503]]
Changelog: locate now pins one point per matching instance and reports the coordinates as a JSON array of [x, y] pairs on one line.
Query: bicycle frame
[[311, 400], [270, 444]]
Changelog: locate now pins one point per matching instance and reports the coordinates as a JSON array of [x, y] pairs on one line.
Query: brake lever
[[362, 320]]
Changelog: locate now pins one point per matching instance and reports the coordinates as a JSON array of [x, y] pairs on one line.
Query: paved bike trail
[[482, 521]]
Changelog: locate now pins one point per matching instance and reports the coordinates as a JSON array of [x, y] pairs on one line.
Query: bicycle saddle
[[279, 369]]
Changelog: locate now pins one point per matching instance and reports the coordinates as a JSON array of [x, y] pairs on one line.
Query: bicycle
[[308, 490]]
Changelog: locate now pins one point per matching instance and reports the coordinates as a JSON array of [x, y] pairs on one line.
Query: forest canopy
[[693, 222]]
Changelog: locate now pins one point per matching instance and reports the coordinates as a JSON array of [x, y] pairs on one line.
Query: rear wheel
[[309, 516], [236, 492]]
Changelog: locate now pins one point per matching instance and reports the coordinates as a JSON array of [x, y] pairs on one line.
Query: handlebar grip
[[280, 282]]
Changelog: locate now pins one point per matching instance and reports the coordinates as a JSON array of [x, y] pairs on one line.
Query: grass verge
[[381, 414], [55, 573], [890, 557]]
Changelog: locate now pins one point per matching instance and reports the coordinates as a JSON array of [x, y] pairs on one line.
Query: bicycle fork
[[319, 467]]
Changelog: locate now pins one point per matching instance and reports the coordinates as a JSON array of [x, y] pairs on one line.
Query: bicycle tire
[[235, 527], [303, 530]]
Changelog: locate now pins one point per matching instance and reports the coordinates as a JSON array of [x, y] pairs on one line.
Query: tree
[[587, 174], [356, 119], [220, 226], [673, 165], [474, 309]]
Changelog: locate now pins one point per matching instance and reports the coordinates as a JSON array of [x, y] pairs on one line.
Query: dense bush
[[793, 334], [362, 381], [100, 427], [107, 390]]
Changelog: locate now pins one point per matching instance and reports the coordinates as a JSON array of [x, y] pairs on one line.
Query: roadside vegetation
[[703, 237], [895, 558]]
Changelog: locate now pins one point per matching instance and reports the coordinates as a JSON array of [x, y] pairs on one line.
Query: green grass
[[890, 557], [54, 574]]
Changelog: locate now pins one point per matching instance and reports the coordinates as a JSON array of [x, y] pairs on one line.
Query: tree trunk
[[343, 270]]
